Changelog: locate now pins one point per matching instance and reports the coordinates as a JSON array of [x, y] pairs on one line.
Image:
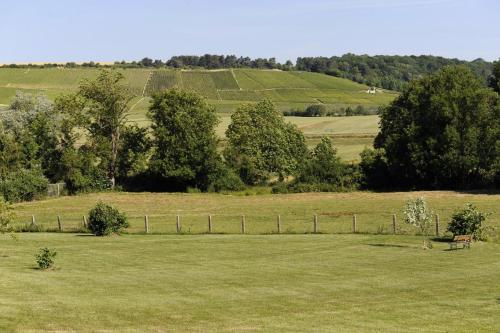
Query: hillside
[[225, 88]]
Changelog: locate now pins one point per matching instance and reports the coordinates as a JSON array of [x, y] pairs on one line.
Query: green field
[[247, 283], [334, 210]]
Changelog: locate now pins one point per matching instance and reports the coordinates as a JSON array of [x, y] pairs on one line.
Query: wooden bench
[[465, 240]]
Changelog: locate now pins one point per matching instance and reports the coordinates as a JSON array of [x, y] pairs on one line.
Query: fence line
[[192, 225]]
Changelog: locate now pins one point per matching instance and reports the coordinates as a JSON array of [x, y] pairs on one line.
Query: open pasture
[[247, 283]]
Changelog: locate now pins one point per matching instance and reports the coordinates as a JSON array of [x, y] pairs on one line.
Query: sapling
[[417, 214]]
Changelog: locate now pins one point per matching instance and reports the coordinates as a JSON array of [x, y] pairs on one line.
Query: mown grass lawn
[[248, 283]]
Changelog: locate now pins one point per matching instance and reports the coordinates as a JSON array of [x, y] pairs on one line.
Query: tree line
[[388, 72], [442, 132]]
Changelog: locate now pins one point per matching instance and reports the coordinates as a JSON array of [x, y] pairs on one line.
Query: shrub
[[45, 258], [316, 110], [24, 185], [105, 220], [467, 221], [6, 216], [226, 180]]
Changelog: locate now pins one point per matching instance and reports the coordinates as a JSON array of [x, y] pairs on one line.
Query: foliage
[[226, 180], [316, 110], [23, 185], [494, 80], [417, 214], [212, 61], [323, 170], [185, 143], [30, 135], [6, 216], [373, 167], [389, 72], [105, 220], [467, 221], [442, 132], [99, 107], [45, 258], [261, 144], [134, 152]]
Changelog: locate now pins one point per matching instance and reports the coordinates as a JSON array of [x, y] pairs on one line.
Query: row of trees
[[84, 139], [320, 110], [443, 131]]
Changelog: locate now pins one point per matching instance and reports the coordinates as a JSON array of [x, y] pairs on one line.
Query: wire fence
[[196, 223]]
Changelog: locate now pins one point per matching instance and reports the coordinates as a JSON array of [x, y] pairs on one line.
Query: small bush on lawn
[[105, 220], [468, 221], [45, 258]]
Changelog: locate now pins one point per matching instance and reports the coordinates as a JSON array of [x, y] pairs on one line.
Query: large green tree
[[30, 135], [184, 140], [442, 132], [261, 144], [100, 107]]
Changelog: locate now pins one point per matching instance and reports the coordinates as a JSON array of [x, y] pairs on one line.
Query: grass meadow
[[247, 283]]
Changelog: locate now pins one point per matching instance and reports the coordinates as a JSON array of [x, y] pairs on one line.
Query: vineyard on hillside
[[279, 86]]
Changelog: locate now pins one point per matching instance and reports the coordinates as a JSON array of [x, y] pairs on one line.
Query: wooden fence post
[[243, 229], [33, 221], [178, 223], [315, 223], [279, 224], [394, 224], [210, 223], [84, 221], [437, 225], [146, 224], [354, 223], [59, 223]]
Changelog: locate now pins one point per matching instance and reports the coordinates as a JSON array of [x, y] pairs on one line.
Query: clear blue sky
[[108, 30]]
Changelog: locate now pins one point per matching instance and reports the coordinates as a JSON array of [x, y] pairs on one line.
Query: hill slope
[[225, 88]]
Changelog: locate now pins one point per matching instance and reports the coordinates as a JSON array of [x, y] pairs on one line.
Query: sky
[[114, 30]]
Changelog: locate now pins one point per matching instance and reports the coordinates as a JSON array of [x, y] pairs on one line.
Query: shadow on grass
[[85, 235], [387, 245], [443, 239], [50, 269]]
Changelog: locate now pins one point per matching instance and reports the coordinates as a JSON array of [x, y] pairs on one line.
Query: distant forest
[[388, 72]]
